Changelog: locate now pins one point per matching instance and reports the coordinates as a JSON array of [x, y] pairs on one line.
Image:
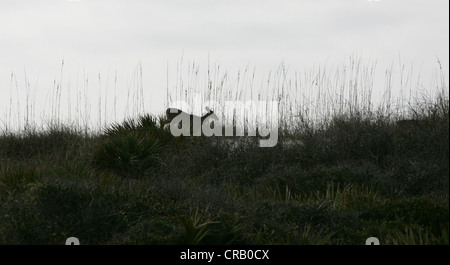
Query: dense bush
[[131, 148], [352, 178]]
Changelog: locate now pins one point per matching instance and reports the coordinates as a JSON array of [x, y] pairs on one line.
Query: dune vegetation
[[359, 173]]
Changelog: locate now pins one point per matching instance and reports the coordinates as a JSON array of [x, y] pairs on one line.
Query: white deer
[[176, 117]]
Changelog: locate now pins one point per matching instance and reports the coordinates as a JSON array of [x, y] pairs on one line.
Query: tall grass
[[312, 97], [344, 170], [84, 101], [90, 101]]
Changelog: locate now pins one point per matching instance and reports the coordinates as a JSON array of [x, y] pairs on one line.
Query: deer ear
[[208, 109]]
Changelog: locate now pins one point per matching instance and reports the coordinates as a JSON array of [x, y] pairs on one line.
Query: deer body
[[178, 118]]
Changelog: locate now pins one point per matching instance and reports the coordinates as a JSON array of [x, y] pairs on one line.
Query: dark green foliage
[[351, 178], [51, 143], [127, 155], [422, 211], [130, 148]]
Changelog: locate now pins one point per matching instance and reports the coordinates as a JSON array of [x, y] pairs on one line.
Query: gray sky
[[112, 36]]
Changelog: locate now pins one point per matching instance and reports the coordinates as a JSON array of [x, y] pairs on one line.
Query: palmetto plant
[[130, 148]]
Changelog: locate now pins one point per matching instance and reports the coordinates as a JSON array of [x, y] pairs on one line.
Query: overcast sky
[[113, 36]]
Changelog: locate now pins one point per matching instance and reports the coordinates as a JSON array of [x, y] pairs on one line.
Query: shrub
[[127, 155], [58, 142], [422, 211], [130, 148]]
